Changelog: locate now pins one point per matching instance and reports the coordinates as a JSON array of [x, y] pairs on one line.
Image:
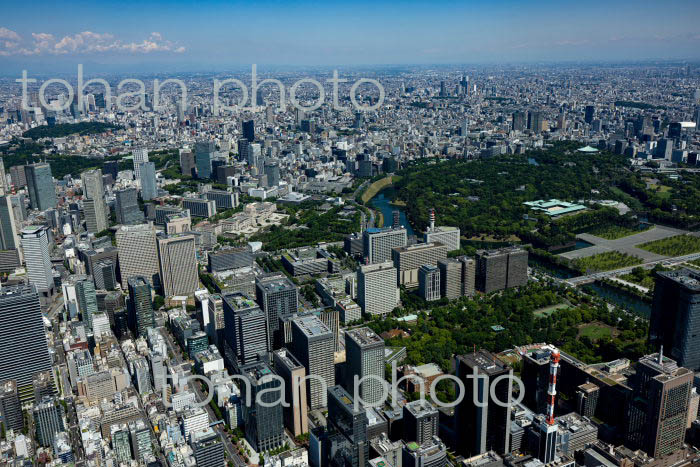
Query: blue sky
[[221, 35]]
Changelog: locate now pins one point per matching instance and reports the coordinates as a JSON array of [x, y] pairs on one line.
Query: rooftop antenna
[[432, 220], [661, 355], [552, 389]]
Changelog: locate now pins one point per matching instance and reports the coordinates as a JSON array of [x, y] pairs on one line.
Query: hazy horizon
[[218, 36]]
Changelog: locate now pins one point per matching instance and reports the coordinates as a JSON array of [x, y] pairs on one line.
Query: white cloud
[[86, 42]]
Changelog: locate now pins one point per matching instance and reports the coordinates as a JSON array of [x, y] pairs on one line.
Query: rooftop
[[485, 361], [364, 336], [311, 326]]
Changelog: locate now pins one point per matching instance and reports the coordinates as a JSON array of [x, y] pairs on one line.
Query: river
[[382, 202]]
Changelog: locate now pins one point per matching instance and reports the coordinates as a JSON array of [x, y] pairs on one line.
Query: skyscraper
[[313, 346], [378, 243], [3, 178], [96, 213], [187, 166], [127, 207], [87, 301], [279, 298], [291, 371], [138, 253], [590, 113], [351, 424], [10, 406], [500, 269], [249, 130], [35, 243], [408, 259], [364, 351], [254, 155], [264, 422], [675, 316], [42, 191], [208, 449], [147, 176], [483, 428], [657, 413], [48, 417], [9, 238], [141, 314], [23, 343], [246, 339], [140, 156], [178, 265], [202, 157], [377, 292], [429, 282], [420, 421]]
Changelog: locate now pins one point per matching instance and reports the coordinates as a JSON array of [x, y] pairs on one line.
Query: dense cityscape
[[389, 266]]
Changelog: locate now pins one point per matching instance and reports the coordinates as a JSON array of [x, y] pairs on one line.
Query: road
[[575, 281], [228, 445]]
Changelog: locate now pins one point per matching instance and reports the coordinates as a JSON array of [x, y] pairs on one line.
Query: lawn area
[[548, 310], [639, 276], [694, 263], [595, 331], [673, 246], [613, 232], [604, 262]]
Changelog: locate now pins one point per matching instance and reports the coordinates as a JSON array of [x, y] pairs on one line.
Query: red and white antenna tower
[[432, 220], [552, 389]]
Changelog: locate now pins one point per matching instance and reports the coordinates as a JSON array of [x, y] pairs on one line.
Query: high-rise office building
[[10, 406], [483, 428], [254, 155], [149, 189], [111, 168], [448, 236], [364, 351], [140, 156], [246, 339], [313, 346], [35, 244], [96, 212], [249, 130], [408, 259], [48, 417], [519, 121], [230, 258], [141, 442], [263, 419], [121, 444], [18, 176], [675, 316], [272, 170], [429, 282], [138, 253], [351, 425], [377, 292], [187, 166], [9, 235], [279, 298], [431, 453], [178, 265], [378, 243], [420, 421], [500, 269], [3, 179], [223, 199], [199, 207], [42, 191], [141, 316], [208, 449], [292, 372], [91, 212], [658, 409], [450, 278], [87, 301], [127, 207], [589, 114], [202, 158]]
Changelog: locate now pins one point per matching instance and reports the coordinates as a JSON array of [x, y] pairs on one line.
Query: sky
[[218, 36]]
